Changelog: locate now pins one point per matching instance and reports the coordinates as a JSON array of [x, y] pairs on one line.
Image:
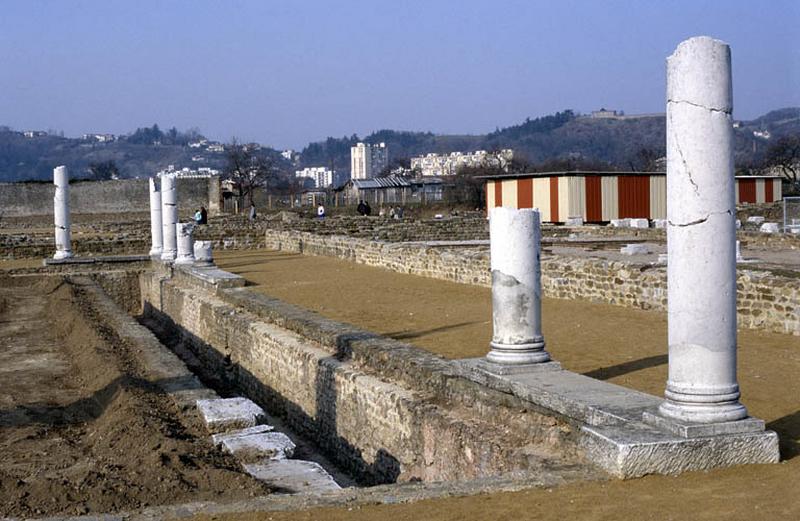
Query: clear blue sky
[[286, 73]]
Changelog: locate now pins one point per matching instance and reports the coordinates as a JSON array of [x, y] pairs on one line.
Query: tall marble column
[[701, 236], [169, 217], [156, 231], [61, 213], [515, 237], [185, 243]]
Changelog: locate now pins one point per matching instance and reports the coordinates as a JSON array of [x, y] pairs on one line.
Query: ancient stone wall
[[383, 410], [124, 195], [766, 300]]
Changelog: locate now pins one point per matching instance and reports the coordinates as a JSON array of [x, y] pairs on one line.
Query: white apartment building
[[323, 177], [449, 164], [367, 161]]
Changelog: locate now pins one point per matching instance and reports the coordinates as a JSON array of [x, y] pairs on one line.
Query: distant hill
[[564, 135], [618, 142]]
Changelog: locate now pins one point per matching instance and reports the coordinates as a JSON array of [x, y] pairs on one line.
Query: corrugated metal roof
[[380, 182]]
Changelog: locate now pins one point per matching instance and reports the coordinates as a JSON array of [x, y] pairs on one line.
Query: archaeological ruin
[[160, 368]]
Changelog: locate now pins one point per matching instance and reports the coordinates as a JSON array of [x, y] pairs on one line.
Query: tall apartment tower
[[368, 160]]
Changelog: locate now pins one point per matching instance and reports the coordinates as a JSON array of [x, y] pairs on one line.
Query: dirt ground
[[82, 429], [624, 346]]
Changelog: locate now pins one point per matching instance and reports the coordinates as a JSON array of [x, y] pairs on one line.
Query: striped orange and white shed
[[603, 196]]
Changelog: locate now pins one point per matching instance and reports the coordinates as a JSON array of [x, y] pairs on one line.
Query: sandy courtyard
[[624, 346]]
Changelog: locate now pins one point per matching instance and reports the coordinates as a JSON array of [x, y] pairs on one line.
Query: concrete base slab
[[258, 429], [255, 447], [694, 430], [614, 433], [294, 476], [227, 414]]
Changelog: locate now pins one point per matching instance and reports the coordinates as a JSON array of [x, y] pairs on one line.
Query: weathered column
[[202, 253], [61, 213], [169, 216], [701, 236], [156, 232], [183, 232], [516, 287]]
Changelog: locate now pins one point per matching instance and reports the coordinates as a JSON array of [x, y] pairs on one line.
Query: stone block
[[635, 249], [227, 414], [620, 223], [258, 429], [639, 223], [294, 476], [255, 447], [770, 228], [755, 219], [659, 224], [696, 430], [574, 221]]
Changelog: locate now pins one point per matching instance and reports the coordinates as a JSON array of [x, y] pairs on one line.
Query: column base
[[183, 261], [155, 252], [517, 354], [168, 256], [63, 254], [687, 429], [702, 412]]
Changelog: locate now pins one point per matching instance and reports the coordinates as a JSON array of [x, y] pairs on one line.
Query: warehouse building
[[603, 196]]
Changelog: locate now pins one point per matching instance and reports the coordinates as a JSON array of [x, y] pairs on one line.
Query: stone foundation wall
[[766, 301], [382, 410], [124, 195]]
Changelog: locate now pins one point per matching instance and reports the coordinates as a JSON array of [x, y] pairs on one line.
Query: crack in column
[[683, 159], [710, 109], [698, 221]]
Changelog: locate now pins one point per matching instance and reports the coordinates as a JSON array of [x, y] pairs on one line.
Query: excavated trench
[[87, 427]]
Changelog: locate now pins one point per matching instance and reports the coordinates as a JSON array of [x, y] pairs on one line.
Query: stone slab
[[695, 430], [94, 260], [254, 447], [258, 429], [614, 433], [481, 364], [227, 414], [635, 249], [294, 476], [215, 276]]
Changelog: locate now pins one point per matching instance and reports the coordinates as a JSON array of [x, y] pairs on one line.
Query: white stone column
[[169, 216], [183, 232], [202, 253], [156, 231], [701, 236], [516, 287], [61, 213]]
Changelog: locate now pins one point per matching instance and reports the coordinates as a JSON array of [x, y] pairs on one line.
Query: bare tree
[[784, 155], [247, 169]]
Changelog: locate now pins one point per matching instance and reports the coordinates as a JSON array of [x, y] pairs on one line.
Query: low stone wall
[[766, 301], [124, 195], [382, 410]]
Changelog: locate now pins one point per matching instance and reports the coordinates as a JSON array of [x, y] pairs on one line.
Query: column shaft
[[156, 231], [183, 232], [169, 217], [701, 235], [61, 215], [516, 287]]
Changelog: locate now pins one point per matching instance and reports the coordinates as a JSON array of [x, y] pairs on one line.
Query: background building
[[323, 177], [603, 196], [449, 164], [367, 161]]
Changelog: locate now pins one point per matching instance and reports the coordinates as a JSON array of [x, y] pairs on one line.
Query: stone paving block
[[294, 476], [254, 447], [227, 414], [258, 429], [640, 223], [635, 249]]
